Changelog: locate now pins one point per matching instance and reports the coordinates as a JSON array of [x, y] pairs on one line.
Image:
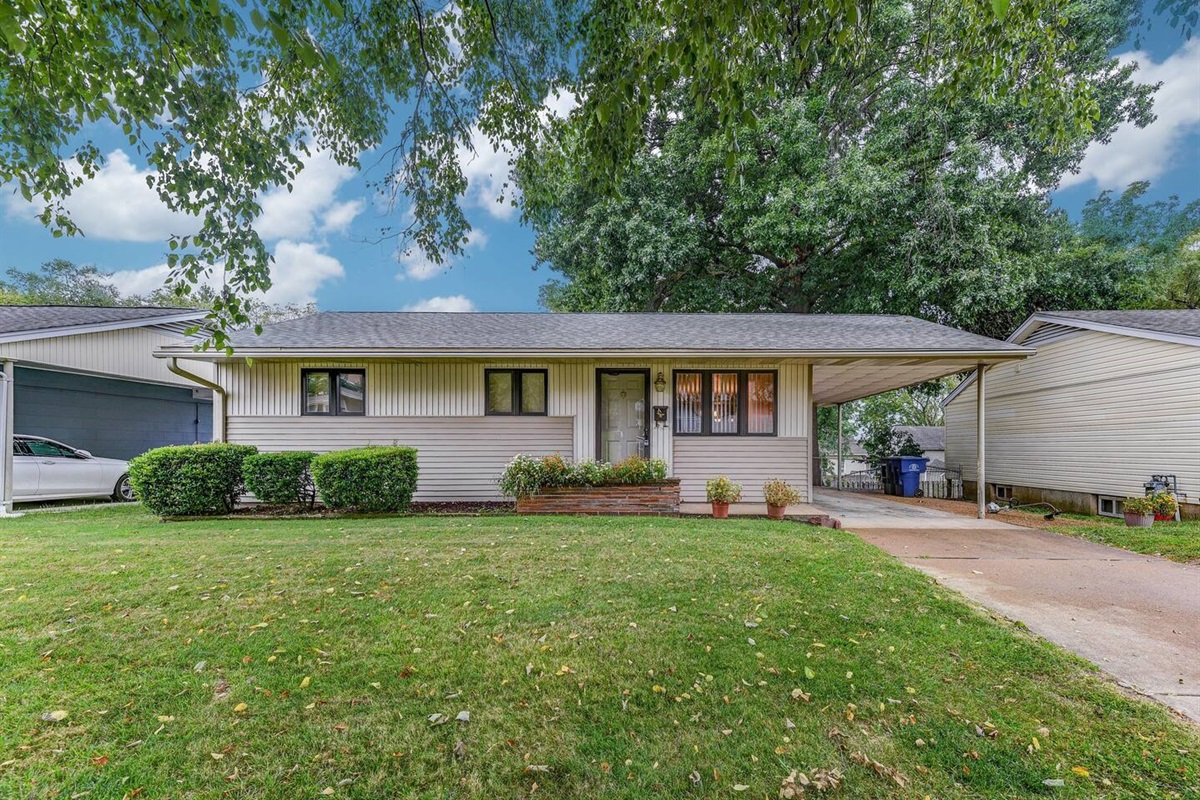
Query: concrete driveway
[[1136, 617]]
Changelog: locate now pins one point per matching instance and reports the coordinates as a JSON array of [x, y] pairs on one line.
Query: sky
[[324, 234]]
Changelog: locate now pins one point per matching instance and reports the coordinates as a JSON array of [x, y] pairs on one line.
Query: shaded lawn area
[[596, 658], [1178, 541]]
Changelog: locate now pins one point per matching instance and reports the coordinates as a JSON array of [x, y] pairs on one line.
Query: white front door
[[623, 422]]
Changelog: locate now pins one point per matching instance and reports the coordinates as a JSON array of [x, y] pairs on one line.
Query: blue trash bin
[[909, 470]]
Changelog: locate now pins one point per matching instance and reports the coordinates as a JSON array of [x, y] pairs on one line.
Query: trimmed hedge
[[190, 480], [280, 478], [370, 479], [526, 475]]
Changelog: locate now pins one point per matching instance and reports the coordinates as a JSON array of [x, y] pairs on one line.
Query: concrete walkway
[[1136, 617]]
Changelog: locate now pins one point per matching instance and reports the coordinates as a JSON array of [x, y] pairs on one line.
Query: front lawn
[[1178, 541], [587, 658]]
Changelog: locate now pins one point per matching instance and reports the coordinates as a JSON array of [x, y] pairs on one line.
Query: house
[[1111, 399], [930, 438], [87, 376], [709, 394]]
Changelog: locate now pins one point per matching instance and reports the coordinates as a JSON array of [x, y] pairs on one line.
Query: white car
[[44, 469]]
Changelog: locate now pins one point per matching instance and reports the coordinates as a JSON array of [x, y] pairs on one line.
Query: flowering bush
[[722, 490], [1165, 504], [1138, 505], [780, 493], [527, 475]]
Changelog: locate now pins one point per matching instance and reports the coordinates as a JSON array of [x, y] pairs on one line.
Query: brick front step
[[650, 499]]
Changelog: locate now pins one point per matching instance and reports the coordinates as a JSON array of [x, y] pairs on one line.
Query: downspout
[[173, 366]]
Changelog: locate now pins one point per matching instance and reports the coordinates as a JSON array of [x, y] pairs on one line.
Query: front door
[[623, 417]]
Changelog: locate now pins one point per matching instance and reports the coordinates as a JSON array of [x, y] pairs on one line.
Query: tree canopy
[[851, 196], [222, 100]]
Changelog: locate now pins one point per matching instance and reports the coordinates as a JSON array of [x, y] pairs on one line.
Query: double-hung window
[[725, 403], [334, 392], [515, 392]]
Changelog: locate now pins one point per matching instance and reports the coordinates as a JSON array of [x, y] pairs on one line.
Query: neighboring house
[[87, 376], [931, 439], [1111, 399], [710, 394]]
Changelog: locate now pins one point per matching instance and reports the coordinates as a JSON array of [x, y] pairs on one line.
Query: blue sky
[[324, 234]]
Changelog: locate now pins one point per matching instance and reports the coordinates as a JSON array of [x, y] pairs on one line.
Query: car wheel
[[123, 491]]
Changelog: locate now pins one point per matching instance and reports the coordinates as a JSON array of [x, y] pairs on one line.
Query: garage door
[[110, 418]]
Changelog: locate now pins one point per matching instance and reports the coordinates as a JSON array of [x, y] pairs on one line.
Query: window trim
[[516, 373], [706, 401], [1117, 504], [333, 400]]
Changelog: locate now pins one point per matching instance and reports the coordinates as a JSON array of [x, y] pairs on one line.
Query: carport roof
[[29, 322]]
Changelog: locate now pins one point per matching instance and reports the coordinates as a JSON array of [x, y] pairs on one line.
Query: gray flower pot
[[1139, 520]]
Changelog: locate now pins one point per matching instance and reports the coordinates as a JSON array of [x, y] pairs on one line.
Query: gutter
[[206, 383], [1011, 352]]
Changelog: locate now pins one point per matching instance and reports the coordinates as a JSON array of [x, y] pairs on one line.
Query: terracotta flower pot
[[776, 512], [720, 510], [1139, 520]]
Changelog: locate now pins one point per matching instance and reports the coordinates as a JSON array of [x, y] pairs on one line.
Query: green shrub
[[369, 479], [280, 478], [190, 480], [527, 475]]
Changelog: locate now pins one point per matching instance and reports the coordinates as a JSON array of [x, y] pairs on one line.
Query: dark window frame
[[517, 383], [334, 391], [706, 401]]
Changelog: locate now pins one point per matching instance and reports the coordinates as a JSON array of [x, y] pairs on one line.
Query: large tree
[[222, 99], [855, 189]]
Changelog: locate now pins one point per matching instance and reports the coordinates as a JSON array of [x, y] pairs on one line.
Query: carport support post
[[6, 441], [839, 452], [980, 478]]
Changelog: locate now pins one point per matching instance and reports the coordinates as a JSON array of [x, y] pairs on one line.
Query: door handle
[[47, 461]]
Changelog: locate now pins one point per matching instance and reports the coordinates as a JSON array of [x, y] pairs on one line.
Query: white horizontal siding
[[1096, 413], [459, 457], [750, 461], [124, 353]]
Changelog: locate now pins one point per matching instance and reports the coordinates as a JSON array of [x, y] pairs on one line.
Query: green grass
[[1178, 541], [597, 658]]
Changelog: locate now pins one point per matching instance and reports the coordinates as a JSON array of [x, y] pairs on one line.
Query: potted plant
[[1165, 506], [721, 492], [1139, 512], [779, 495]]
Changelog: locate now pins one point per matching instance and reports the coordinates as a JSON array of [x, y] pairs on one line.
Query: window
[[1109, 507], [516, 391], [725, 403], [38, 447], [1003, 492], [334, 392]]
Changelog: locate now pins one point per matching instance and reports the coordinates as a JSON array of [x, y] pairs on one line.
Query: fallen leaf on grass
[[463, 716], [438, 719], [240, 708], [304, 683], [1080, 771], [100, 761], [460, 749], [531, 768], [55, 716], [880, 769]]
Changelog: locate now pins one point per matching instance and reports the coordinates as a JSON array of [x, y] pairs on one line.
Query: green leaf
[[1000, 9], [10, 26]]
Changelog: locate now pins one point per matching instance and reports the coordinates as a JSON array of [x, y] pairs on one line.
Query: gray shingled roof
[[23, 319], [450, 332], [1184, 322], [927, 437]]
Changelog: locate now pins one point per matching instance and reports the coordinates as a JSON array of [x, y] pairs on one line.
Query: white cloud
[[118, 205], [454, 302], [416, 265], [115, 205], [488, 168], [311, 203], [1136, 154], [299, 270]]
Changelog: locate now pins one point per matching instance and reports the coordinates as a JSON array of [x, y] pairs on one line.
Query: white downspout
[[839, 452], [218, 401]]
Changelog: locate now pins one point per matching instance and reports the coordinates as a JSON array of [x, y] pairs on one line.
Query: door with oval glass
[[624, 399]]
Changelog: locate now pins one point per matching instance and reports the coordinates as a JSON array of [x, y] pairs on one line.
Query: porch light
[[660, 383]]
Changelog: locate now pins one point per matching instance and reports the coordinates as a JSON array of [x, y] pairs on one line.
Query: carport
[[87, 376]]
